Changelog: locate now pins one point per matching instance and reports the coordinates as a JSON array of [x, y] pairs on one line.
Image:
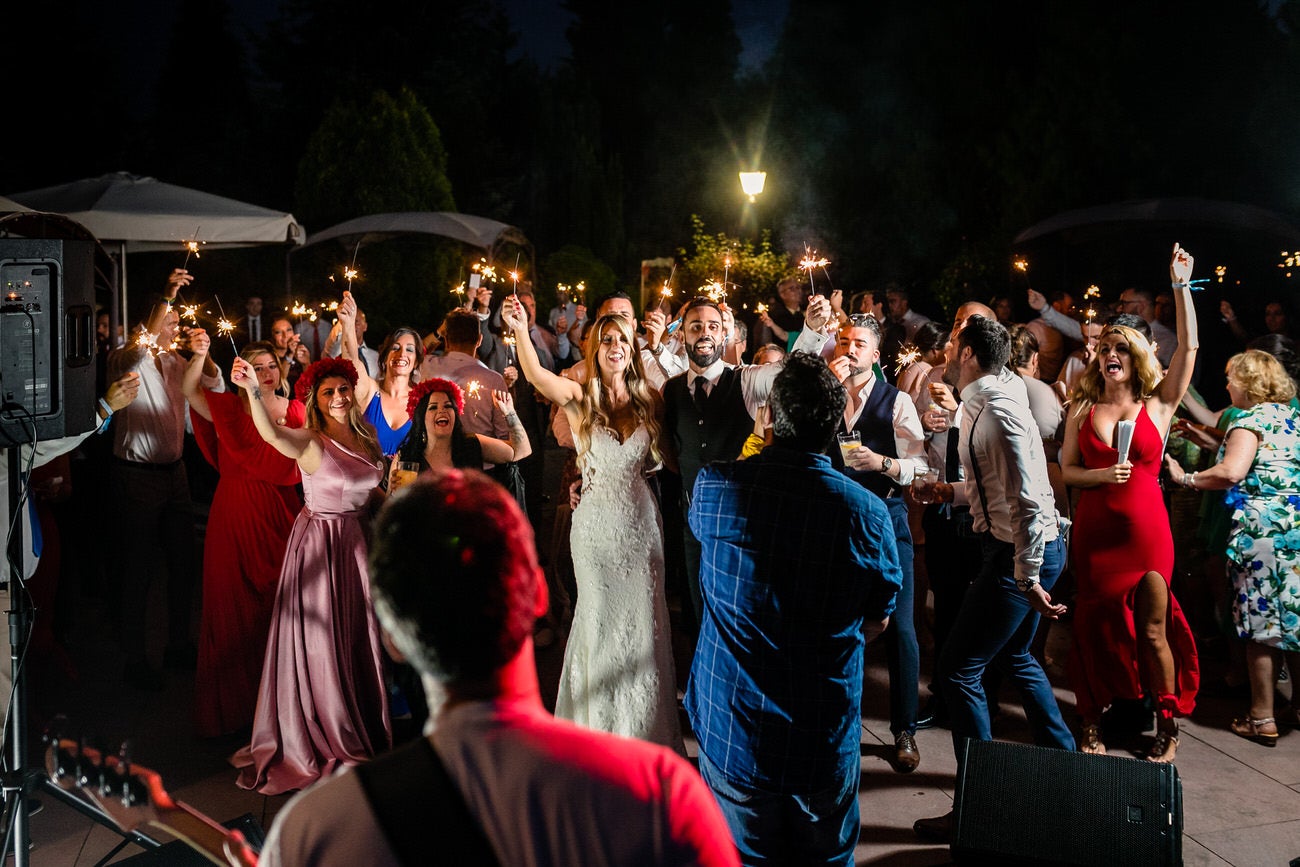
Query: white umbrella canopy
[[143, 214], [136, 214]]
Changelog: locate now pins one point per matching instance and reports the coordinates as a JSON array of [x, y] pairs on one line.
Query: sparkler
[[717, 294], [726, 270], [1220, 271], [472, 389], [190, 312], [459, 290], [509, 341], [1089, 294], [192, 248], [809, 262], [225, 326], [907, 356], [760, 308], [514, 275]]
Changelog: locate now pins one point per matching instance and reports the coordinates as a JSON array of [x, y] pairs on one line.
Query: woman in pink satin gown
[[322, 702], [252, 514]]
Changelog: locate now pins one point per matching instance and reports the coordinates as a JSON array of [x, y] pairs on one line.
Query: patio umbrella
[[141, 214]]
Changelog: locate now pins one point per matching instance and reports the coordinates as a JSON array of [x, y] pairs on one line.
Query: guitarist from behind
[[457, 587]]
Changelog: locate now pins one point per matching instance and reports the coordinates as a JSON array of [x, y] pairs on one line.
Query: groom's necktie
[[701, 394]]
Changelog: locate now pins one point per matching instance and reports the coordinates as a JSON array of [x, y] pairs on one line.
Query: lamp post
[[752, 183]]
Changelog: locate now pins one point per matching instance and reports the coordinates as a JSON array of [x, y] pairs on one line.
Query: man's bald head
[[969, 309]]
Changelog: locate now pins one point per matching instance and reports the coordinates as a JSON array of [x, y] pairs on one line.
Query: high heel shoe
[[1250, 729], [1090, 742], [1165, 745]]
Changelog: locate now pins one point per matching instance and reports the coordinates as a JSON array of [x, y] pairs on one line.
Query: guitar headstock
[[133, 796]]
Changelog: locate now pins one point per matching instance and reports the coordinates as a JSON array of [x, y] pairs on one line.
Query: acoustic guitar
[[134, 798]]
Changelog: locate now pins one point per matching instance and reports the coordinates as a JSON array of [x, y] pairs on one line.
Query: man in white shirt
[[891, 453], [149, 490], [1015, 514]]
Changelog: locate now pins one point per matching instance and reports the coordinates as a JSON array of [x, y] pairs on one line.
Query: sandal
[[1165, 745], [1250, 729], [1091, 741]]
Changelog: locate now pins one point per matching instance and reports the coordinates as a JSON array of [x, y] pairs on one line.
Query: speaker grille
[[1047, 806]]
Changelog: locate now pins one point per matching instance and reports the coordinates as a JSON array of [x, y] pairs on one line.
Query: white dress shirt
[[756, 379], [909, 436], [1000, 434]]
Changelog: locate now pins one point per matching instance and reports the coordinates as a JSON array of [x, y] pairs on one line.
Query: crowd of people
[[772, 492]]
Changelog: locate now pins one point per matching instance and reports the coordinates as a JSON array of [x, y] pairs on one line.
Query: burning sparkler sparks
[[810, 261], [907, 356], [224, 326], [192, 248]]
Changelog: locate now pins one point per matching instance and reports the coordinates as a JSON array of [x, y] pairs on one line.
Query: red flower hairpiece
[[322, 369], [436, 384]]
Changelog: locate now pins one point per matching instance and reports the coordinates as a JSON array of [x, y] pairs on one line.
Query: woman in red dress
[[252, 511], [1130, 636]]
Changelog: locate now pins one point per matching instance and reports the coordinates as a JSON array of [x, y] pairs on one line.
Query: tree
[[751, 271], [381, 157]]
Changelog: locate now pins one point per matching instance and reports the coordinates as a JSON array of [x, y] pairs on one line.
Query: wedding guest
[[1130, 635], [383, 397], [799, 573], [1259, 465], [322, 702], [149, 495], [252, 513]]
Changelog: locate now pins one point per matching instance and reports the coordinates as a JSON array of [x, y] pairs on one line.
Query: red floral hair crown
[[323, 369], [431, 385]]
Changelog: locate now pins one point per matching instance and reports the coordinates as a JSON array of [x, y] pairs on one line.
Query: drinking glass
[[848, 442]]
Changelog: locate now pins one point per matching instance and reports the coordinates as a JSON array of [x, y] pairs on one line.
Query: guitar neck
[[201, 833]]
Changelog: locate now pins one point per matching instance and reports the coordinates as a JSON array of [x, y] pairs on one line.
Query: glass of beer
[[848, 442], [404, 472], [923, 486]]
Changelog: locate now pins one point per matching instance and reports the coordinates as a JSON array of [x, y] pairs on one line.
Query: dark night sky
[[541, 24]]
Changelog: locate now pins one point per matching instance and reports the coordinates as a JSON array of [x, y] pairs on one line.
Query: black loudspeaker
[[1019, 804], [47, 339]]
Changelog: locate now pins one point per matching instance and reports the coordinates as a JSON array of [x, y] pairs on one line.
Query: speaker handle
[[79, 325]]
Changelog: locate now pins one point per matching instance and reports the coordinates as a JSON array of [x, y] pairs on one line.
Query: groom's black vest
[[876, 426], [718, 435]]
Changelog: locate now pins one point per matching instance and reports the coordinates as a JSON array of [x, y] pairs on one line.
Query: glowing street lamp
[[752, 183]]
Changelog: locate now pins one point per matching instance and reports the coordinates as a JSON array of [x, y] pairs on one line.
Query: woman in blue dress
[[383, 401]]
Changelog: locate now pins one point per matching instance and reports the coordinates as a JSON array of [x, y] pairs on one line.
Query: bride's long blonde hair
[[595, 411]]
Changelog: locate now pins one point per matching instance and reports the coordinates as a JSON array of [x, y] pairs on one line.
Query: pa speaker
[[47, 339], [1019, 804]]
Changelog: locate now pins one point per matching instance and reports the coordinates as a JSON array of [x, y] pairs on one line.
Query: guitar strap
[[410, 791]]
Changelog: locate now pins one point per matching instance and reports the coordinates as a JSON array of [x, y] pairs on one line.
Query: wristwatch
[[885, 464], [1024, 585]]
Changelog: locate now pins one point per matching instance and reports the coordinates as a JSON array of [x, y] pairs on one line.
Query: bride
[[618, 667]]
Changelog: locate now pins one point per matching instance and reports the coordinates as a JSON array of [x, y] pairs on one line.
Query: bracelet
[[108, 410], [1186, 480], [1194, 285], [1191, 482]]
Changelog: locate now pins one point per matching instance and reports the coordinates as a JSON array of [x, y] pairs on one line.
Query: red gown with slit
[[248, 526], [1121, 532]]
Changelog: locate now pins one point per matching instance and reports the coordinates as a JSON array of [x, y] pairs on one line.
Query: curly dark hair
[[455, 577], [807, 402], [465, 448]]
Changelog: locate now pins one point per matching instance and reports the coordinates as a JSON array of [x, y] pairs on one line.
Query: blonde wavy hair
[[1261, 377], [595, 412], [1147, 372], [357, 423]]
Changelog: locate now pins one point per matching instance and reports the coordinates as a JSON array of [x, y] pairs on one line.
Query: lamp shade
[[752, 183]]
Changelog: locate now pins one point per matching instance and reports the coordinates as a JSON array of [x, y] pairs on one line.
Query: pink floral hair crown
[[429, 386], [323, 369]]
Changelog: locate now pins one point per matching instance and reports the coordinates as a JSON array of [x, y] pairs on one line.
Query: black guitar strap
[[411, 792]]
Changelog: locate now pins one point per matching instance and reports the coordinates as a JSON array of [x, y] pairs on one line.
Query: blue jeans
[[773, 828], [902, 653], [997, 623]]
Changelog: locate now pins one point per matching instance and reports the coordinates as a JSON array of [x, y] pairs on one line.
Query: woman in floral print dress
[[1259, 464]]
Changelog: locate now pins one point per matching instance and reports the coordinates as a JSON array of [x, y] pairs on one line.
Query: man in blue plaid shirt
[[799, 571]]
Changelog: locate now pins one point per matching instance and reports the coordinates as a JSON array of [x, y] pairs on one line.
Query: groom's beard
[[704, 357]]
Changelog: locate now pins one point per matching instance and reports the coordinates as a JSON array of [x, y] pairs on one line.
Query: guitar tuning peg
[[54, 729]]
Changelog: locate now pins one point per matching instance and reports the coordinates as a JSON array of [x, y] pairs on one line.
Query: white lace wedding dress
[[618, 666]]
